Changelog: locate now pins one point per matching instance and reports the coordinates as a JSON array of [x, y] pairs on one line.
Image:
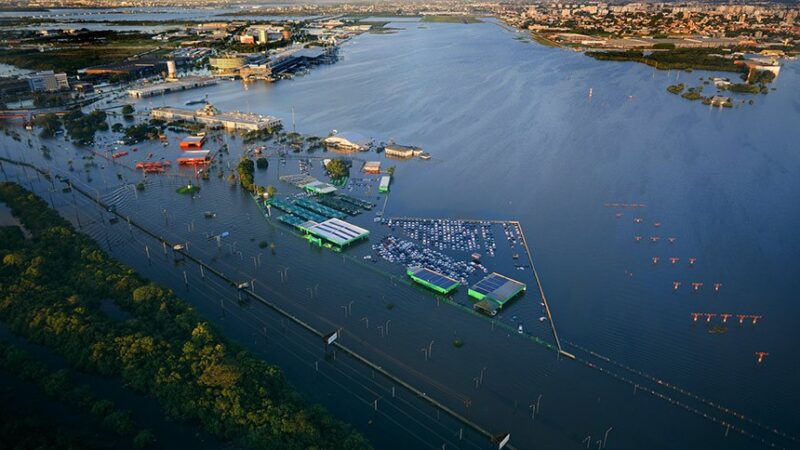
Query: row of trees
[[80, 127], [678, 59], [52, 286], [246, 171]]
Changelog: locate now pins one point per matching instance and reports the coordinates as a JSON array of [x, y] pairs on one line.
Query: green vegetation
[[761, 77], [271, 191], [52, 287], [676, 88], [127, 112], [81, 127], [141, 132], [59, 386], [86, 49], [260, 135], [190, 189], [140, 186], [664, 46], [246, 168], [743, 88], [679, 59], [338, 169], [450, 19], [262, 163], [692, 95], [49, 123], [24, 426], [458, 343]]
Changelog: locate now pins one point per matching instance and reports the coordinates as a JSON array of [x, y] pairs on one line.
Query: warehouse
[[402, 151], [432, 279], [494, 291], [334, 231]]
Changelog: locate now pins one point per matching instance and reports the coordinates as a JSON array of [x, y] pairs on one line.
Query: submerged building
[[347, 141], [213, 117], [494, 291], [432, 279], [402, 151], [334, 232]]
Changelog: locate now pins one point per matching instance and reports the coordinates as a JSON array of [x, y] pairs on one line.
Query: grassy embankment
[[450, 19], [680, 59]]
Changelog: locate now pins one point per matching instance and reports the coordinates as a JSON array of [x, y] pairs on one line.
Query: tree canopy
[[52, 288]]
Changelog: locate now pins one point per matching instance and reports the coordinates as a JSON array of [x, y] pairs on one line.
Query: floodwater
[[514, 135]]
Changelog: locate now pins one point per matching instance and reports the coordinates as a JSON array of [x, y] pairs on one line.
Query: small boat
[[119, 155], [210, 214], [519, 329], [542, 319], [196, 102]]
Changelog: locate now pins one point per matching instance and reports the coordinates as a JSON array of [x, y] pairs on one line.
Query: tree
[[144, 439], [271, 191], [337, 169], [49, 123], [262, 163], [246, 169], [127, 111]]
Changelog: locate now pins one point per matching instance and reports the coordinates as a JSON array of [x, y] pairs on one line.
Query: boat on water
[[519, 329], [119, 155], [209, 214], [196, 102]]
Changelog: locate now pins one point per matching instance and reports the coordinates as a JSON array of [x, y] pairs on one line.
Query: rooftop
[[496, 287], [336, 231]]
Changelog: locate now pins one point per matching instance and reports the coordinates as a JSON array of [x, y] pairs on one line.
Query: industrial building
[[195, 157], [432, 279], [47, 81], [334, 231], [372, 167], [494, 291], [193, 142], [211, 116], [297, 56], [170, 86], [348, 142], [319, 187]]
